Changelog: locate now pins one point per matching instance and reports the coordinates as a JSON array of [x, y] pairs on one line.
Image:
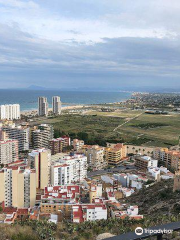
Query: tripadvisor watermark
[[139, 231]]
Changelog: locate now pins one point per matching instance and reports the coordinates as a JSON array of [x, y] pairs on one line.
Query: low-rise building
[[95, 191], [126, 211], [60, 199], [131, 180], [89, 212]]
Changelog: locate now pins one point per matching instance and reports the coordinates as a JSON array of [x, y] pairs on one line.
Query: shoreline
[[34, 111], [77, 106]]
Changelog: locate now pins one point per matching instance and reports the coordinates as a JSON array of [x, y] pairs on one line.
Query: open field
[[139, 128], [146, 129]]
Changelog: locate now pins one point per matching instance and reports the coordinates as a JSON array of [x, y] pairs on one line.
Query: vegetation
[[157, 200], [33, 230], [97, 127], [149, 125]]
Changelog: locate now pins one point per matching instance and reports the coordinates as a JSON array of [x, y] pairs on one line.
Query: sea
[[28, 99]]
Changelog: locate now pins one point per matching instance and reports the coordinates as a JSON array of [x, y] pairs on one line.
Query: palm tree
[[143, 151], [127, 149], [133, 149]]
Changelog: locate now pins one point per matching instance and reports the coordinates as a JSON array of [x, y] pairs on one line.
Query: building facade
[[40, 160], [79, 166], [77, 144], [89, 212], [58, 145], [56, 105], [10, 112], [144, 162], [170, 159], [42, 136], [18, 188], [61, 174], [8, 151], [42, 106], [95, 156], [114, 153], [19, 133]]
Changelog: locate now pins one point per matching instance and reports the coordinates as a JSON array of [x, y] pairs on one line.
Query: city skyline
[[83, 44]]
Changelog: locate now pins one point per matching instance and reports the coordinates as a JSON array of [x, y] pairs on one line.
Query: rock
[[104, 236]]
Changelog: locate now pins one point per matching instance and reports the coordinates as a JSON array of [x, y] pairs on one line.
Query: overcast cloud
[[89, 43]]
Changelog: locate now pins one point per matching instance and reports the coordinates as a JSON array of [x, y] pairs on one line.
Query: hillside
[[157, 200]]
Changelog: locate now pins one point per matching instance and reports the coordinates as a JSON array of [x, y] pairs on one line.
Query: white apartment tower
[[8, 151], [10, 112], [61, 174], [76, 171], [56, 105], [42, 106]]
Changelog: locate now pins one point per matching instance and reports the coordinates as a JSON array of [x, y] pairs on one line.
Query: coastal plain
[[127, 125]]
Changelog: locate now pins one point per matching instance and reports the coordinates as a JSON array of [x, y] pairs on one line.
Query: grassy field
[[148, 130]]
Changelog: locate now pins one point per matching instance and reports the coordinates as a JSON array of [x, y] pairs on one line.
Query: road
[[111, 170], [127, 121]]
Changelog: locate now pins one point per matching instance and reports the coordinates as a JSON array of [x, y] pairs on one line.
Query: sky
[[90, 43]]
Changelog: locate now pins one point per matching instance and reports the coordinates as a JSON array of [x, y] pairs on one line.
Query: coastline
[[35, 111]]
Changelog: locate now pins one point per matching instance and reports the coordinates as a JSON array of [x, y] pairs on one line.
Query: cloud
[[19, 4], [89, 42]]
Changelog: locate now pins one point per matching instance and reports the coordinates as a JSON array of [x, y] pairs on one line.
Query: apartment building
[[58, 145], [40, 160], [144, 162], [42, 106], [95, 156], [18, 187], [170, 158], [10, 112], [42, 135], [60, 199], [19, 133], [62, 174], [79, 165], [89, 212], [115, 153], [77, 144], [56, 105], [8, 151]]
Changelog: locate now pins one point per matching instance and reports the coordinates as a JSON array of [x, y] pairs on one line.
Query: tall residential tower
[[56, 105], [42, 106]]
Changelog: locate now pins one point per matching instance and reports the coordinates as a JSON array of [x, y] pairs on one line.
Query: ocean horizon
[[28, 99]]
